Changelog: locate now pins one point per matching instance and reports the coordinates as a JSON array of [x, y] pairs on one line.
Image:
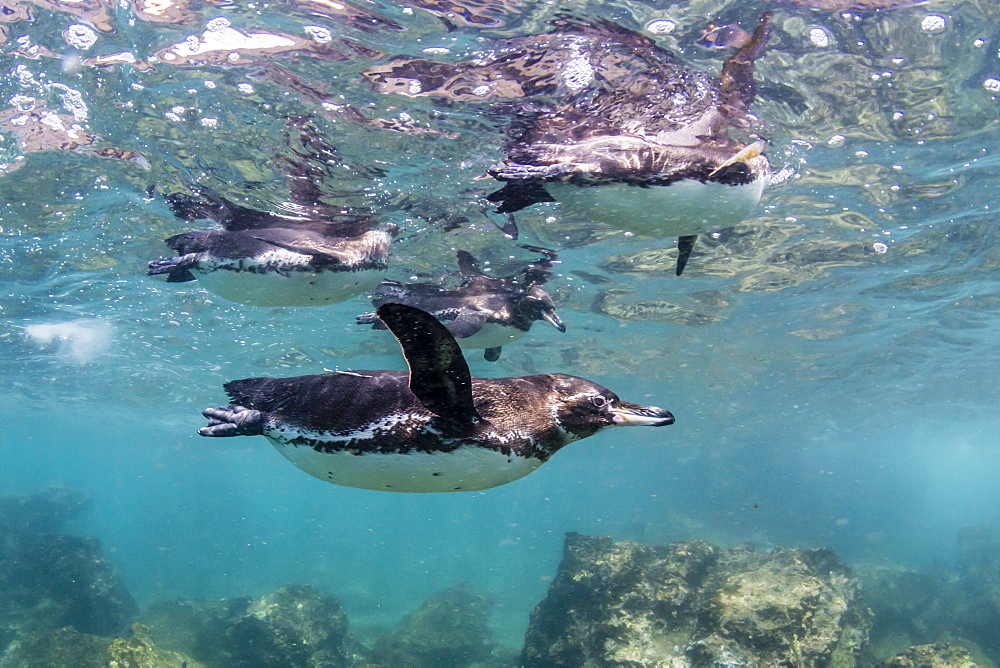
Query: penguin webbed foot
[[369, 319], [232, 420]]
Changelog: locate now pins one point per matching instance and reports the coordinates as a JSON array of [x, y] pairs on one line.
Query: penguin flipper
[[304, 241], [439, 374], [466, 323], [685, 245], [468, 264]]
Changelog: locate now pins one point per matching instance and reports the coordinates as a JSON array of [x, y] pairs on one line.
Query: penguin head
[[536, 304], [583, 408]]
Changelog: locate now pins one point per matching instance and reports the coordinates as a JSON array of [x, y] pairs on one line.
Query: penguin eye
[[599, 401]]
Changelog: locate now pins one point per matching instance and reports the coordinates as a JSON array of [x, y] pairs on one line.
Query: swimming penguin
[[434, 429], [622, 131], [317, 254], [484, 311]]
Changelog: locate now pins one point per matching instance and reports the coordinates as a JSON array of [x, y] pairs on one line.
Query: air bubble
[[934, 24], [819, 37], [661, 26]]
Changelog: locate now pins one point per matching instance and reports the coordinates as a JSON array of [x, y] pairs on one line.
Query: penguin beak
[[634, 415], [554, 320]]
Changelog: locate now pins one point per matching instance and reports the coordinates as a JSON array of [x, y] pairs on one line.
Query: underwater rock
[[787, 607], [909, 607], [24, 518], [63, 581], [68, 648], [292, 626], [68, 583], [448, 629], [615, 302], [979, 570], [139, 651], [691, 604], [938, 655], [619, 603], [59, 648]]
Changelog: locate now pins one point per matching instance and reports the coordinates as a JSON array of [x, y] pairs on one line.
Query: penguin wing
[[303, 241], [439, 374], [205, 204], [465, 323], [468, 264]]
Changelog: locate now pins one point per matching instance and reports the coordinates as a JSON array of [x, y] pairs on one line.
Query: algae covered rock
[[292, 626], [68, 648], [691, 604], [448, 629], [64, 581], [619, 603], [979, 566], [938, 655], [787, 607], [58, 648], [26, 517], [139, 651]]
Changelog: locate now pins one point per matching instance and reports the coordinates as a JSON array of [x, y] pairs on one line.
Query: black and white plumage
[[612, 126], [483, 311], [316, 254], [434, 429]]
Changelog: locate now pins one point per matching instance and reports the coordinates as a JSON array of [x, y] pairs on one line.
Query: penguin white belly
[[468, 468], [491, 335], [683, 208], [295, 288]]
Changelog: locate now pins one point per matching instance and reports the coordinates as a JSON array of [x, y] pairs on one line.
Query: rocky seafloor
[[611, 603]]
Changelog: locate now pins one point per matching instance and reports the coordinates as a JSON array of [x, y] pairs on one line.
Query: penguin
[[315, 255], [612, 126], [484, 311], [434, 428]]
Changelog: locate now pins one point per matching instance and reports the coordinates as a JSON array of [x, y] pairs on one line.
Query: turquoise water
[[832, 362]]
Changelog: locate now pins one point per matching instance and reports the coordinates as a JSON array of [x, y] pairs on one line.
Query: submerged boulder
[[448, 629], [938, 655], [787, 607], [57, 648], [68, 648], [24, 518], [618, 603], [691, 604], [62, 581], [292, 626], [979, 568]]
